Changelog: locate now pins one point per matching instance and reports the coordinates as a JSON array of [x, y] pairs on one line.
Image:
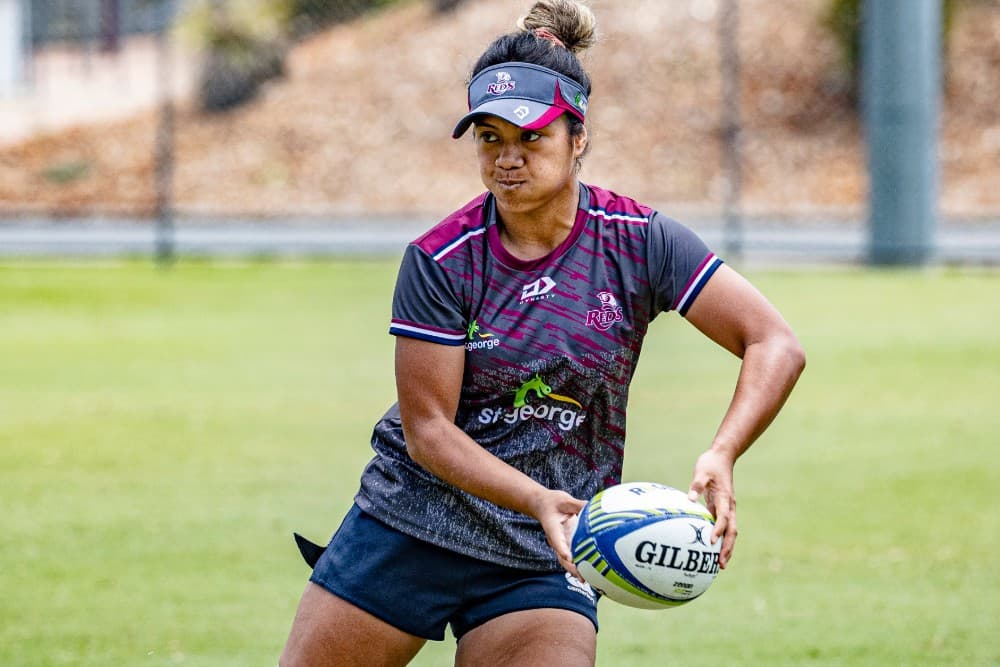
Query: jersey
[[551, 347]]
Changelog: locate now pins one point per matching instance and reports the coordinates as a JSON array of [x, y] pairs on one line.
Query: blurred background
[[322, 126], [163, 432]]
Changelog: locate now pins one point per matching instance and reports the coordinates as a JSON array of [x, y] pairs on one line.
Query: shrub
[[245, 41]]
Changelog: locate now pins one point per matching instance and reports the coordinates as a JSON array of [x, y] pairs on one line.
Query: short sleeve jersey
[[550, 349]]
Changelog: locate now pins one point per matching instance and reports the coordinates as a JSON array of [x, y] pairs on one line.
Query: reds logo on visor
[[529, 96]]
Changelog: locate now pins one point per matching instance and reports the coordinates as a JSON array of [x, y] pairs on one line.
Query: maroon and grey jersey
[[550, 349]]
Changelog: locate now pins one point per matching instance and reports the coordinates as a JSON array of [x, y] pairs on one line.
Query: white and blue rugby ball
[[646, 545]]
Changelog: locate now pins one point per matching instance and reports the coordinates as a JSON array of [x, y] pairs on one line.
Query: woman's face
[[527, 169]]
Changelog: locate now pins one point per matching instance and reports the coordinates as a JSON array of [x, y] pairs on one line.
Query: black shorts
[[420, 588]]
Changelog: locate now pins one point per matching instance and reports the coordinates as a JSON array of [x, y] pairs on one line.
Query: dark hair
[[550, 35], [526, 47]]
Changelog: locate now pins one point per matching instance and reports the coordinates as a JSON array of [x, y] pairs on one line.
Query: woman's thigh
[[329, 631], [542, 637]]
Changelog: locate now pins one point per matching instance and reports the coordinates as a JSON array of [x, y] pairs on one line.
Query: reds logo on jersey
[[610, 312]]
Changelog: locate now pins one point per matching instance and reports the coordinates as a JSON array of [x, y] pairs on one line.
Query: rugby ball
[[646, 545]]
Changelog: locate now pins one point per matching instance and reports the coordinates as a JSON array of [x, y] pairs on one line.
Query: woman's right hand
[[556, 511]]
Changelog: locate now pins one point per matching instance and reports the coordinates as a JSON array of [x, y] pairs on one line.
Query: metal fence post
[[110, 28], [12, 58], [732, 173], [901, 57], [164, 151]]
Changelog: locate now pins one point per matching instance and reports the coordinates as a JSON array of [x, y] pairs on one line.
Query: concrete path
[[763, 242]]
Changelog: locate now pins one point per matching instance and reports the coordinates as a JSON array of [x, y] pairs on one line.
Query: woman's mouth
[[509, 183]]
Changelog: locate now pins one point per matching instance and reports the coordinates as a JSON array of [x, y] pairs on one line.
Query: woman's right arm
[[428, 384]]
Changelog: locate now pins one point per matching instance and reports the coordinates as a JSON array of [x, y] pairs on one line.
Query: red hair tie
[[544, 33]]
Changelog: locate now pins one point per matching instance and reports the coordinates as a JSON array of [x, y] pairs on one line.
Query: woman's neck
[[534, 234]]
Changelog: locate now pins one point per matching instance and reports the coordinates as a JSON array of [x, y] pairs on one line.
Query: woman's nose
[[509, 157]]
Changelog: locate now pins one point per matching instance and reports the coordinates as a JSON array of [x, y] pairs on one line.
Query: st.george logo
[[537, 290], [477, 339], [502, 84], [541, 390], [534, 400]]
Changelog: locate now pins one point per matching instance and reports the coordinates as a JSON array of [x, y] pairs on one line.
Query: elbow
[[795, 355], [421, 439], [784, 355], [781, 352], [416, 449]]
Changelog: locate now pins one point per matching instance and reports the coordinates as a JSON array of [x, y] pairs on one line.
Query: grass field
[[162, 433]]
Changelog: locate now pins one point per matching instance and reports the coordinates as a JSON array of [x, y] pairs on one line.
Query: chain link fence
[[274, 117], [99, 24]]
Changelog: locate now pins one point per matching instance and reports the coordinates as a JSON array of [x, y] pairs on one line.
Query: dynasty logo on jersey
[[537, 290], [523, 409]]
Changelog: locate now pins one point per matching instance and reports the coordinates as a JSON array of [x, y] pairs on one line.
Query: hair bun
[[569, 21]]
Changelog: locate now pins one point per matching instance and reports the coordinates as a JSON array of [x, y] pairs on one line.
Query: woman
[[518, 323]]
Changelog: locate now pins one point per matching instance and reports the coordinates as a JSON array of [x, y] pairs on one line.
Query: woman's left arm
[[731, 312]]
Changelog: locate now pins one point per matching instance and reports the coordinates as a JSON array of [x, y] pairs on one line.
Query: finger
[[721, 524], [561, 546], [725, 528], [565, 557], [724, 512], [728, 543], [570, 567], [558, 540], [569, 528], [696, 489], [710, 504]]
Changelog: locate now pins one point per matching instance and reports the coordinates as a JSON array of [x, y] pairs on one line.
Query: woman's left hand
[[713, 478], [731, 312]]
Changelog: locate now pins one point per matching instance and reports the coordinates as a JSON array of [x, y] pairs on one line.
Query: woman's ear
[[580, 143]]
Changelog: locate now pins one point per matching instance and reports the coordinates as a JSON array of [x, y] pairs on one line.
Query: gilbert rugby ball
[[646, 545]]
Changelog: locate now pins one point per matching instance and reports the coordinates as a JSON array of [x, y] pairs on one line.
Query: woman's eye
[[488, 137], [530, 136]]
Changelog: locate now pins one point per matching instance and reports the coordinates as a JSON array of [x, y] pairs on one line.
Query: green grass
[[163, 432]]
